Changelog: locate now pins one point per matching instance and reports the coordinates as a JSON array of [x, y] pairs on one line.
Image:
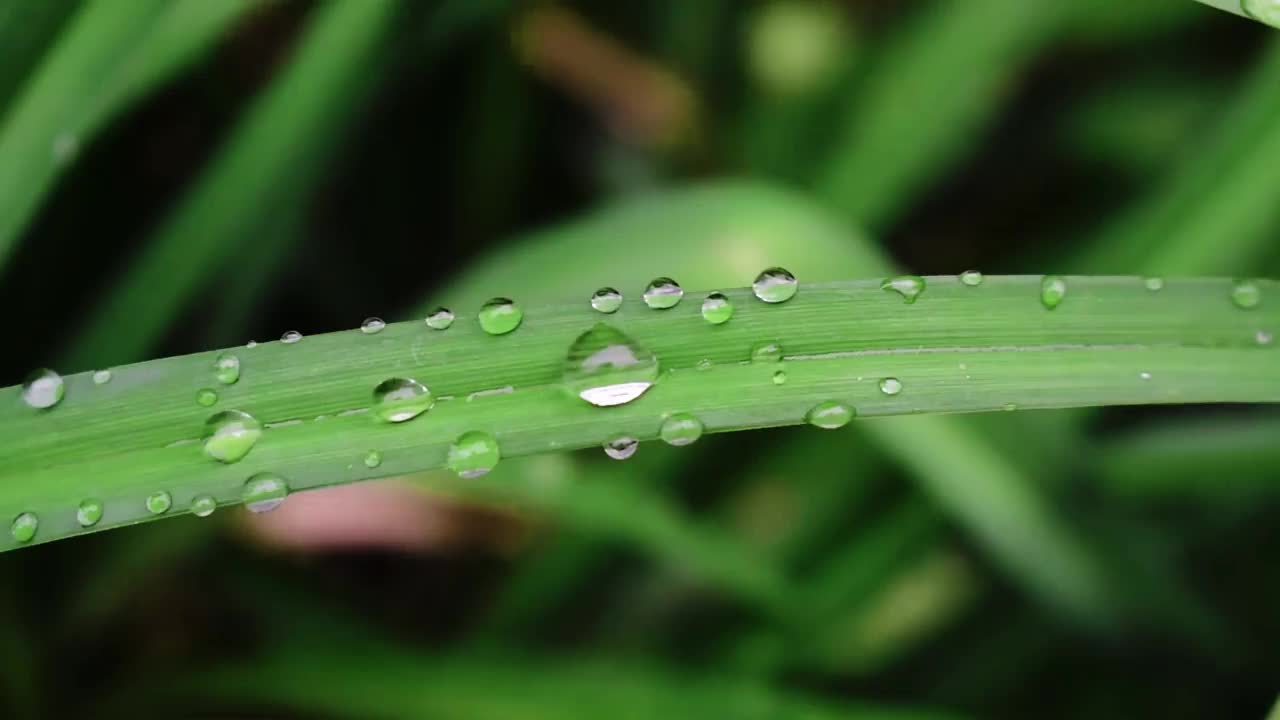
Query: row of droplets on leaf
[[603, 367]]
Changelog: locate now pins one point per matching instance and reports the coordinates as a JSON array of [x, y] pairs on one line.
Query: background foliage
[[184, 174]]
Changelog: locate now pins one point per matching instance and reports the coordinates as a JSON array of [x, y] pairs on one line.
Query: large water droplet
[[206, 397], [775, 285], [908, 286], [89, 512], [158, 503], [972, 278], [400, 399], [440, 318], [830, 415], [605, 367], [43, 389], [203, 505], [226, 368], [291, 337], [230, 435], [1154, 284], [621, 448], [473, 454], [372, 325], [372, 459], [1246, 294], [1053, 288], [681, 429], [101, 377], [264, 492], [606, 300], [500, 316], [766, 352], [23, 528], [663, 293], [1264, 11], [717, 308], [890, 386]]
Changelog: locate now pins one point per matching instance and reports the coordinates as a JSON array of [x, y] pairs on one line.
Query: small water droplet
[[372, 459], [717, 308], [606, 300], [704, 364], [606, 367], [230, 435], [1246, 294], [226, 368], [101, 377], [681, 429], [1053, 288], [473, 454], [372, 326], [780, 377], [500, 316], [251, 344], [264, 492], [158, 503], [908, 286], [972, 278], [830, 415], [89, 512], [775, 285], [663, 293], [1010, 407], [43, 389], [1264, 11], [206, 397], [1262, 337], [66, 145], [440, 318], [1154, 284], [621, 448], [203, 505], [766, 352], [1144, 375], [24, 527], [291, 337], [400, 399], [890, 386]]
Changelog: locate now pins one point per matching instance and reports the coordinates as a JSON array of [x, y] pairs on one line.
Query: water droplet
[[291, 337], [372, 325], [972, 278], [621, 448], [663, 293], [1154, 284], [203, 505], [607, 368], [251, 344], [500, 316], [717, 308], [606, 300], [775, 285], [1053, 288], [1010, 407], [1264, 11], [766, 352], [704, 364], [473, 454], [43, 389], [1262, 337], [681, 429], [206, 397], [158, 503], [89, 512], [830, 415], [890, 386], [230, 435], [908, 286], [372, 459], [400, 399], [66, 145], [780, 377], [1246, 294], [440, 318], [1144, 375], [226, 367], [24, 527], [264, 492], [101, 377]]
